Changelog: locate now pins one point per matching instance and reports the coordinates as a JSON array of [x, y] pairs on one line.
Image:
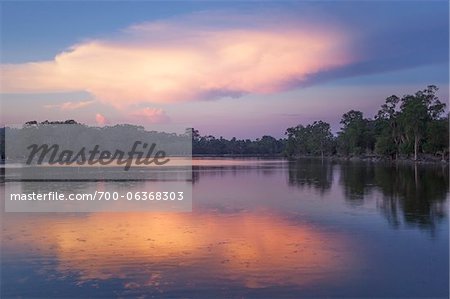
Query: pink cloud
[[100, 119], [176, 61], [151, 115]]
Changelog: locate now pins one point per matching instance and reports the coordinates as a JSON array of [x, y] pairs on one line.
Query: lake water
[[259, 228]]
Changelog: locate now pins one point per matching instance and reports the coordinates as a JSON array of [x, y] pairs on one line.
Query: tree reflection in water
[[413, 195], [311, 173]]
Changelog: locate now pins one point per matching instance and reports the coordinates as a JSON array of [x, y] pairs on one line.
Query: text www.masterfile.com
[[98, 196]]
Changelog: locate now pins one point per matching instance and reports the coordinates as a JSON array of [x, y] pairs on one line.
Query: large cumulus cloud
[[173, 61]]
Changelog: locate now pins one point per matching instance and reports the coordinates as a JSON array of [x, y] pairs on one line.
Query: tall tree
[[417, 111], [321, 136], [351, 136], [388, 130]]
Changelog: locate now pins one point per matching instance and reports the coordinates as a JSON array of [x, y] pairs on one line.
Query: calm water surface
[[259, 228]]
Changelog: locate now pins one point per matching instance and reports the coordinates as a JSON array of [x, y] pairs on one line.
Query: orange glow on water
[[255, 249]]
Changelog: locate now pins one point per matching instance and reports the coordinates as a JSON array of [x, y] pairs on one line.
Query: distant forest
[[409, 127]]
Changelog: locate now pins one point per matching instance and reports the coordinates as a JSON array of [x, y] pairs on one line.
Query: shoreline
[[377, 159], [371, 159]]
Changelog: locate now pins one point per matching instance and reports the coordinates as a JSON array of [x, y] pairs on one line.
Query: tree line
[[404, 127]]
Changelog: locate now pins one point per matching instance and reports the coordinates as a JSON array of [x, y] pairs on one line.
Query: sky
[[231, 69]]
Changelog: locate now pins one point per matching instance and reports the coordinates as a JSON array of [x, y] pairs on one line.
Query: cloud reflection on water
[[254, 250]]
